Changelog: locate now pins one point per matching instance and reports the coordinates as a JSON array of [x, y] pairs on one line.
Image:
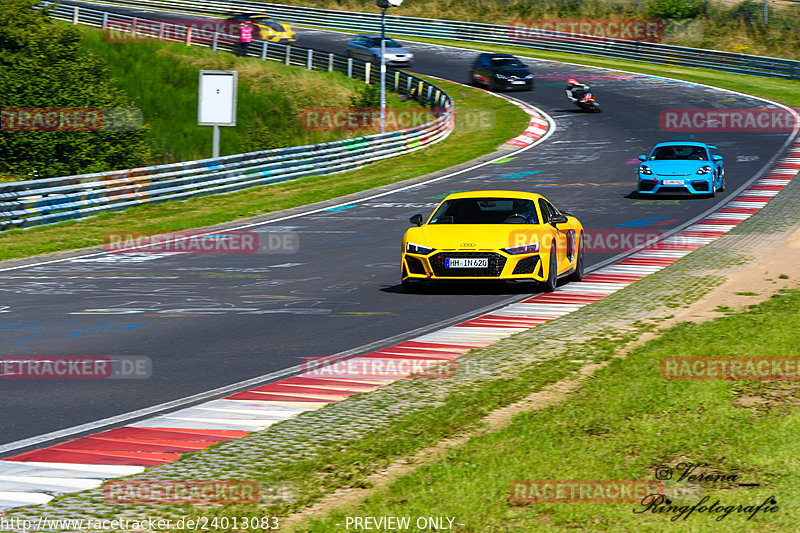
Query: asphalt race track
[[212, 320]]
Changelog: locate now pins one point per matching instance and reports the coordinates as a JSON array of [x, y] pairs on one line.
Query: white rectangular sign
[[217, 98]]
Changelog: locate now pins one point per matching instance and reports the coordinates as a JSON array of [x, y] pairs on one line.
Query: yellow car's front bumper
[[500, 266]]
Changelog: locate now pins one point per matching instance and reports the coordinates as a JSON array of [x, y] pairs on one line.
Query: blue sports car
[[681, 167]]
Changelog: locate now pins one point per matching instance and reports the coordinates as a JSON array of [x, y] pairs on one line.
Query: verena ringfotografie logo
[[583, 490], [181, 492], [376, 368], [650, 30], [732, 368], [75, 367], [199, 242], [70, 119], [768, 120]]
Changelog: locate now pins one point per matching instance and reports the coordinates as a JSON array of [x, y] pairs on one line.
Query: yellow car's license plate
[[478, 262]]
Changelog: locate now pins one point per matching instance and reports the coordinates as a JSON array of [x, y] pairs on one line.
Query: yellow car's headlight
[[531, 248], [413, 248]]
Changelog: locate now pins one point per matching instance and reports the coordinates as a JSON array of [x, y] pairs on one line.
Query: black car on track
[[500, 71]]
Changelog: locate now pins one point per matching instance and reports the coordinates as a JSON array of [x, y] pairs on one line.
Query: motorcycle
[[588, 103], [584, 100]]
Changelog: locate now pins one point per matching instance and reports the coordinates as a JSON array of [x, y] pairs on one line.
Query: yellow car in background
[[493, 235], [265, 27]]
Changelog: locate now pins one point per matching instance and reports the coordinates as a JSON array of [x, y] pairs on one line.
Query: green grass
[[626, 421], [162, 78], [349, 464], [469, 140]]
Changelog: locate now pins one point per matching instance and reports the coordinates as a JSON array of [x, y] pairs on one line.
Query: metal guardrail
[[46, 201], [492, 34]]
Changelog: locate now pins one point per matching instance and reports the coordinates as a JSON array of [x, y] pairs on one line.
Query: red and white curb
[[537, 127], [35, 477]]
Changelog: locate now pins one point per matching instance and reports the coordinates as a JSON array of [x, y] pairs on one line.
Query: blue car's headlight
[[531, 248], [501, 77], [704, 170], [644, 169], [418, 249], [529, 77]]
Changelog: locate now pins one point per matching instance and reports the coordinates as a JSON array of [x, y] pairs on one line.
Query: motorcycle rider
[[576, 91]]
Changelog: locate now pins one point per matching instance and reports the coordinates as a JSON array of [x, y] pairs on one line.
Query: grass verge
[[624, 424], [161, 79], [468, 141]]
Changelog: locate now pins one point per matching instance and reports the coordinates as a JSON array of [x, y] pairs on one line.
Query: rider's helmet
[[572, 82]]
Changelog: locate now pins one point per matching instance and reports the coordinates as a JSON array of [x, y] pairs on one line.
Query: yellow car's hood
[[476, 236]]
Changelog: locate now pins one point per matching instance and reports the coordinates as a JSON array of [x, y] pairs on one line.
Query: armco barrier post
[[75, 15], [309, 59], [188, 36], [330, 62], [263, 50], [349, 67], [366, 71], [161, 31], [105, 20], [288, 54]]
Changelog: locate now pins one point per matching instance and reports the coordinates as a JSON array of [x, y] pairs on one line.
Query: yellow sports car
[[493, 235], [267, 28]]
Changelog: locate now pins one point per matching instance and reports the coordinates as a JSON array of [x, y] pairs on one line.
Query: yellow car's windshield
[[486, 211]]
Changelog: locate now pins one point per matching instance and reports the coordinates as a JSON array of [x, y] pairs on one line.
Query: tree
[[42, 66]]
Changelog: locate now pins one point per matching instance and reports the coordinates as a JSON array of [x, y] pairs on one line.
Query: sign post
[[384, 5], [216, 104]]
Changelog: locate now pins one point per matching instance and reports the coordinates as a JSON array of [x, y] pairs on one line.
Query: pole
[[766, 12], [215, 142], [383, 70]]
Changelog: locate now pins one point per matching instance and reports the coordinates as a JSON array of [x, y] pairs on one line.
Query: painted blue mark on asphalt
[[70, 333], [643, 221], [340, 208], [517, 175]]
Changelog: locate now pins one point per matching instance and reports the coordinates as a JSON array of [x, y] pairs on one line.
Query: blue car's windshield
[[486, 211], [680, 152]]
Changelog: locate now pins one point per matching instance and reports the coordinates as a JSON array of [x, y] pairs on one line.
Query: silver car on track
[[368, 48]]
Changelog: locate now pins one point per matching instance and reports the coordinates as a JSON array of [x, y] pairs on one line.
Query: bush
[[675, 9], [41, 66]]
